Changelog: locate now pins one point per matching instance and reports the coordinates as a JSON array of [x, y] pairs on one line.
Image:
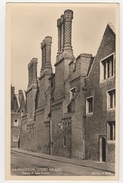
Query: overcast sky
[[31, 23]]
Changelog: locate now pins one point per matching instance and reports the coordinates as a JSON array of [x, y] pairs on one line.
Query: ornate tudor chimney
[[48, 42], [46, 70], [59, 35], [64, 25], [46, 53], [68, 16], [64, 54], [43, 54], [31, 89], [32, 71], [62, 32]]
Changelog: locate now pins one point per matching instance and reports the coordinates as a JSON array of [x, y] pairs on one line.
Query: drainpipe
[[84, 88], [51, 140], [70, 137]]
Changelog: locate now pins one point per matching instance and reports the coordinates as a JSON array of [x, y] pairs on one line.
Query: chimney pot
[[58, 22], [62, 18], [48, 40], [68, 14]]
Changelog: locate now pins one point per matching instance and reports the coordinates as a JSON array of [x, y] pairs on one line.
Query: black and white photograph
[[62, 84]]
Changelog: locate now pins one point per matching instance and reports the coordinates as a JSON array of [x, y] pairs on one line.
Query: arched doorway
[[102, 149]]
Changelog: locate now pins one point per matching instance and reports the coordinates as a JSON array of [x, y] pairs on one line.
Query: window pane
[[112, 71], [104, 66], [111, 131], [114, 99], [15, 137], [111, 100], [108, 68], [90, 105], [114, 130]]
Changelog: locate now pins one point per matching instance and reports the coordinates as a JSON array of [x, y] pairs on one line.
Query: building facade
[[100, 101], [18, 106], [71, 112]]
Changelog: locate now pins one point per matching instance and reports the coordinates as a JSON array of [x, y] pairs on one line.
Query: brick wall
[[78, 141], [42, 94], [42, 121], [110, 152], [59, 81], [31, 93], [41, 132], [23, 133]]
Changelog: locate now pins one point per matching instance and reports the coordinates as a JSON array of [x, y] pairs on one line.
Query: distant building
[[71, 112], [18, 102]]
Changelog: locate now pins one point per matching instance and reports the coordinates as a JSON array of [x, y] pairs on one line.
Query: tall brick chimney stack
[[43, 53], [62, 32], [64, 54], [46, 53], [48, 42], [59, 35], [29, 74], [64, 25], [32, 71], [68, 16]]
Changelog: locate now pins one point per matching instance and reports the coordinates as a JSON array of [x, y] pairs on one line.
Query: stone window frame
[[15, 123], [109, 108], [71, 89], [102, 79], [111, 131], [15, 139], [87, 107]]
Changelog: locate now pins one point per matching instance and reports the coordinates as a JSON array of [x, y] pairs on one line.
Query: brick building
[[71, 112], [18, 105], [100, 101]]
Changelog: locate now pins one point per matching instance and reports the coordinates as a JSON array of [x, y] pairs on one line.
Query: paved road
[[27, 165]]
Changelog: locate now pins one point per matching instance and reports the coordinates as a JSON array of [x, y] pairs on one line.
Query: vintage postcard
[[62, 91]]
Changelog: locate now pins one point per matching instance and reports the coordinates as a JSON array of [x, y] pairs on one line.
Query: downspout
[[51, 140], [70, 137], [84, 88]]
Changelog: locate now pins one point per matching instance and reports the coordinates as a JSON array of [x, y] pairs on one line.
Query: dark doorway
[[19, 143], [103, 149]]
